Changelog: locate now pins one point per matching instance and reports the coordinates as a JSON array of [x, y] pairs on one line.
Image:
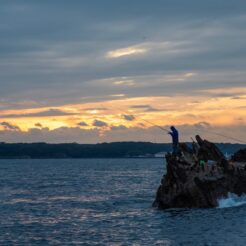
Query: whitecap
[[232, 200]]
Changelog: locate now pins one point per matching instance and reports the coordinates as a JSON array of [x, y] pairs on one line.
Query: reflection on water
[[103, 202]]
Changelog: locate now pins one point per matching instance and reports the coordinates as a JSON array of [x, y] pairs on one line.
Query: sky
[[101, 71]]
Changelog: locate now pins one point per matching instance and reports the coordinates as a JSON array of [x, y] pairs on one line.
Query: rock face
[[199, 177], [240, 156]]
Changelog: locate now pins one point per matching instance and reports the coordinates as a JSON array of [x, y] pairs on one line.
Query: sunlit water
[[104, 202]]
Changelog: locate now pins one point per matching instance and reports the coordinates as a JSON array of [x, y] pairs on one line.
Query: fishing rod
[[205, 130], [162, 128], [215, 133]]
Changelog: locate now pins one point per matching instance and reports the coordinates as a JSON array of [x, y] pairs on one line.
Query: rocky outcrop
[[240, 156], [199, 177]]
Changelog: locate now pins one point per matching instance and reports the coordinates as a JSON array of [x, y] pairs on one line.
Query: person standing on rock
[[175, 139]]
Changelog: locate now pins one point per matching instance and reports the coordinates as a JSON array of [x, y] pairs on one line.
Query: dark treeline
[[74, 150], [103, 150]]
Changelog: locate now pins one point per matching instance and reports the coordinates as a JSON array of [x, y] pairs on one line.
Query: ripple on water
[[103, 202]]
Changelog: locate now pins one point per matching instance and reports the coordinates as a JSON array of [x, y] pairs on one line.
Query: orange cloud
[[218, 111]]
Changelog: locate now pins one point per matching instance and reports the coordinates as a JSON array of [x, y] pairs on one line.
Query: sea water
[[105, 202]]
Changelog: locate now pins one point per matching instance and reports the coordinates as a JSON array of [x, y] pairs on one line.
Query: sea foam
[[232, 200]]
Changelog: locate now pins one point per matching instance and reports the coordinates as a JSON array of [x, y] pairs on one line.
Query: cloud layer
[[119, 133], [64, 57], [73, 63]]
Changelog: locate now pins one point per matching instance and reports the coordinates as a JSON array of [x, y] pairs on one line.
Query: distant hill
[[103, 150], [229, 148]]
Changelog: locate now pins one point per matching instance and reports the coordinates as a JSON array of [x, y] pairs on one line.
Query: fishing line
[[163, 129], [215, 133], [222, 135]]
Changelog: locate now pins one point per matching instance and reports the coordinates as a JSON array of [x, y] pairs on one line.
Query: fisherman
[[175, 139]]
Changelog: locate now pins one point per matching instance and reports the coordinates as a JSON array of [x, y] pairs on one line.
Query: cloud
[[151, 109], [120, 127], [240, 119], [58, 135], [46, 113], [147, 108], [141, 124], [82, 123], [96, 109], [37, 60], [128, 51], [128, 117], [117, 95], [39, 125], [168, 49], [140, 106], [119, 133], [10, 127], [239, 98], [99, 123], [128, 82], [202, 124]]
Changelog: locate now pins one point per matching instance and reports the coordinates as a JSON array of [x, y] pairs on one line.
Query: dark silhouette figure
[[175, 139]]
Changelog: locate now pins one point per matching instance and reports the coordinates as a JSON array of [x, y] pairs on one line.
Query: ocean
[[105, 202]]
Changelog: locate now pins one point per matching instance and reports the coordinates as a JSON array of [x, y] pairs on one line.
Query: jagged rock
[[187, 184], [240, 156]]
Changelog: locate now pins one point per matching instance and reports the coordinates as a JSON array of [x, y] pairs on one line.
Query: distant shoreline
[[95, 151], [84, 158]]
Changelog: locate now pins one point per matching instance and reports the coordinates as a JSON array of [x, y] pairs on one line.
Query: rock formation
[[198, 177], [240, 156]]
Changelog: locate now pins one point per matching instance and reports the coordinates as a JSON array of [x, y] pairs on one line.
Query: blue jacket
[[175, 135]]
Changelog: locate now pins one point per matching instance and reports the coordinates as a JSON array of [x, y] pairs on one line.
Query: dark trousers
[[176, 149]]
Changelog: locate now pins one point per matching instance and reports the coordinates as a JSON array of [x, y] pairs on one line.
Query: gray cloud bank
[[46, 113], [9, 127], [54, 52], [119, 133], [99, 123]]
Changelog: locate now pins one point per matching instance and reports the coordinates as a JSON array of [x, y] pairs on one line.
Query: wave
[[232, 200]]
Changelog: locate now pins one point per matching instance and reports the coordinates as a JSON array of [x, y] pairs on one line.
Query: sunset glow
[[113, 73], [164, 111]]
